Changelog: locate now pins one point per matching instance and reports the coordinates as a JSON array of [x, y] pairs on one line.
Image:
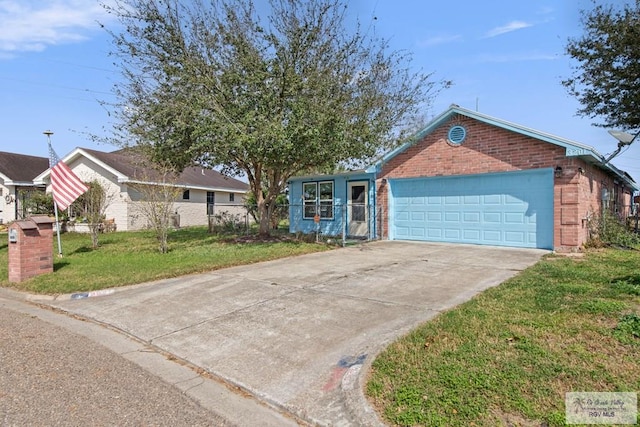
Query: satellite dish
[[624, 137]]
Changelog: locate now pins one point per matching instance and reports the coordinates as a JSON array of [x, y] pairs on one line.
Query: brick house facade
[[583, 183]]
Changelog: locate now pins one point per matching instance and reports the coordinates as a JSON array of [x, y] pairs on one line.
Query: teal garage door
[[504, 209]]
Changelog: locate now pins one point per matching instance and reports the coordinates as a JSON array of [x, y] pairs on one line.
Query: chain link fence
[[345, 222]]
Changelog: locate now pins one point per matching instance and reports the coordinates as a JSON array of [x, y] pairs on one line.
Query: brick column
[[30, 248]]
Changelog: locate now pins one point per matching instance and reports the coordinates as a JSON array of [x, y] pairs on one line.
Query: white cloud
[[32, 25], [511, 26], [439, 40], [518, 57]]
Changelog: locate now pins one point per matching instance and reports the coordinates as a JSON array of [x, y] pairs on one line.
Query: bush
[[607, 230], [225, 222]]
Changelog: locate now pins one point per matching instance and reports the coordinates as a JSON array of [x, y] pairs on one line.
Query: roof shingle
[[22, 168], [124, 161]]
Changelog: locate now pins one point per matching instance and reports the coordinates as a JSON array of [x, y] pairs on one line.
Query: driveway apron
[[299, 333]]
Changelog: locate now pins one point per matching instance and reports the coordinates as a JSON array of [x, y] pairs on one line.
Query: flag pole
[[55, 209], [55, 204]]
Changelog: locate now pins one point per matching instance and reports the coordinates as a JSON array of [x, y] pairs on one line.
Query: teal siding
[[335, 225], [504, 209]]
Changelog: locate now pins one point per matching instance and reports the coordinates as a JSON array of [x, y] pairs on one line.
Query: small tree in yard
[[38, 202], [93, 205], [266, 94], [157, 205]]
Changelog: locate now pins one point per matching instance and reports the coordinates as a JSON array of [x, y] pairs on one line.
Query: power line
[[51, 85]]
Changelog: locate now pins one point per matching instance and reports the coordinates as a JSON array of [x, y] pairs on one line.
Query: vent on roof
[[457, 134]]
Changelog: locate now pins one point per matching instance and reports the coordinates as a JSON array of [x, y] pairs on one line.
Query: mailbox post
[[30, 248]]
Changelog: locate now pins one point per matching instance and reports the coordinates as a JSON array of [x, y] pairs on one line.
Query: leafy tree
[[265, 94], [605, 79], [36, 202]]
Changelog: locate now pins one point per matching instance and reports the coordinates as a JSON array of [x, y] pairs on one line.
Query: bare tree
[[157, 197], [93, 205]]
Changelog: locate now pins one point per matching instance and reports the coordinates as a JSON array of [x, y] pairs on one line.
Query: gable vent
[[457, 134]]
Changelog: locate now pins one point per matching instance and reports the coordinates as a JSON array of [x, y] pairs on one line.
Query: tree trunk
[[94, 230], [265, 223]]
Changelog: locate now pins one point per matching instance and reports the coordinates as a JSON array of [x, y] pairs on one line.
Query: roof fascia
[[74, 155], [21, 183], [186, 186], [325, 176]]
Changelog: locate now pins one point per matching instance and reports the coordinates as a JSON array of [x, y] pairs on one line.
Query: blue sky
[[506, 59]]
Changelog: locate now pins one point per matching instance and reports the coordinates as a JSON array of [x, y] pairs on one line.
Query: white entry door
[[358, 209]]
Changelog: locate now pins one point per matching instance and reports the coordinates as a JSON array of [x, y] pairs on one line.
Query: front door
[[358, 209]]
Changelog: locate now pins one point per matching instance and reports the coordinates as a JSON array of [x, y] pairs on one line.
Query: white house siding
[[125, 202], [194, 211], [7, 210], [117, 196], [236, 208]]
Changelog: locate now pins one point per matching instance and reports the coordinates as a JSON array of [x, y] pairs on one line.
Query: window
[[185, 195], [317, 198], [232, 197], [309, 192], [326, 199], [211, 200]]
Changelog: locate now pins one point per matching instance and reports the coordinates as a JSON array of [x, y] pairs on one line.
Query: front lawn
[[508, 356], [125, 258]]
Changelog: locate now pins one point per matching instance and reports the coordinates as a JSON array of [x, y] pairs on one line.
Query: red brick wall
[[492, 149]]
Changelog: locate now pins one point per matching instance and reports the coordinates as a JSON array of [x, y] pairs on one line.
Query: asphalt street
[[51, 376]]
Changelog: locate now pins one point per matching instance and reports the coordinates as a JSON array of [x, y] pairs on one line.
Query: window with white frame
[[309, 196], [318, 199]]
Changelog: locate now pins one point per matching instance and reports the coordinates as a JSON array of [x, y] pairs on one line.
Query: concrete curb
[[235, 406]]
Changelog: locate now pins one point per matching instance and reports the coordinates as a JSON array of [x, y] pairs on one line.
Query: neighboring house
[[17, 174], [204, 192], [471, 178]]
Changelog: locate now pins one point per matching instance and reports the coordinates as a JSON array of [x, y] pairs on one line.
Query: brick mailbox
[[30, 247]]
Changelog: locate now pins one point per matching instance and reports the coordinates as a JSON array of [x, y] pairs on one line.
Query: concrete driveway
[[298, 334]]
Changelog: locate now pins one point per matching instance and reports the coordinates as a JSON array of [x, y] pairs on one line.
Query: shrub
[[225, 222], [607, 230]]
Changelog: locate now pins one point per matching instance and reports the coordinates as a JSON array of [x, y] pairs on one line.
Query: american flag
[[65, 185]]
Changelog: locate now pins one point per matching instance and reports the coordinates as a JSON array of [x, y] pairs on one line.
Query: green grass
[[508, 356], [125, 258]]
